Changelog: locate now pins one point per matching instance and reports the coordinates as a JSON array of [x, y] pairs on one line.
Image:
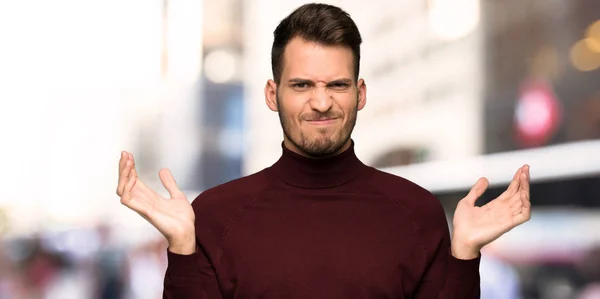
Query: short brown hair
[[320, 23]]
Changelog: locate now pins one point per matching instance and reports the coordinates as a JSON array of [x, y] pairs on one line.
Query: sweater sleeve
[[190, 277], [450, 278], [462, 278], [446, 276]]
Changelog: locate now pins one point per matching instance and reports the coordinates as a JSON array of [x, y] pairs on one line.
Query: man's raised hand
[[475, 227], [173, 217]]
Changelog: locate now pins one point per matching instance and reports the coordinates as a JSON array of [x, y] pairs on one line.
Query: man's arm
[[446, 277], [453, 272], [190, 277], [189, 272]]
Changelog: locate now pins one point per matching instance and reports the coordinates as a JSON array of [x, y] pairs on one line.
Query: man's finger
[[525, 193], [514, 184], [122, 161], [477, 190], [133, 162], [516, 205], [126, 198], [525, 214], [524, 178], [168, 181], [145, 191], [124, 177]]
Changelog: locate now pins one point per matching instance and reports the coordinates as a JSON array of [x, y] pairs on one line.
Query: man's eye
[[339, 85], [300, 85]]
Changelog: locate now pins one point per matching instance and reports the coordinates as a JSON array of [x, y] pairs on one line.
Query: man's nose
[[321, 100]]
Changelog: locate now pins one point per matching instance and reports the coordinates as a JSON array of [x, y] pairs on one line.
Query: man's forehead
[[313, 61]]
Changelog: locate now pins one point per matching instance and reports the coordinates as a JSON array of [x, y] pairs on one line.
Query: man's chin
[[322, 148], [319, 154]]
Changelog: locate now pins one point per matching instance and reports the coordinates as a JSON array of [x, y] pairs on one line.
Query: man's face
[[317, 98]]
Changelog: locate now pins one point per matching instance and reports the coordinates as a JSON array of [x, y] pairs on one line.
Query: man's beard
[[320, 146]]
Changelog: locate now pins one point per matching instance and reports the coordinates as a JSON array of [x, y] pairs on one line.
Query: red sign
[[537, 114]]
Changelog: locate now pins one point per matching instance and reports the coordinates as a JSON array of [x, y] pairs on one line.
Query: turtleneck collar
[[304, 172]]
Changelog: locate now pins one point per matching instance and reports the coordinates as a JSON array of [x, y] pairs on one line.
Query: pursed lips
[[323, 121]]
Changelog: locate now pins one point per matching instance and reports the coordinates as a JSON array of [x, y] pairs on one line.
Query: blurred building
[[422, 65], [538, 103], [222, 121], [542, 62], [539, 106], [81, 82]]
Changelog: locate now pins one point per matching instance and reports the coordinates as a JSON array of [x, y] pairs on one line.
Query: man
[[319, 223]]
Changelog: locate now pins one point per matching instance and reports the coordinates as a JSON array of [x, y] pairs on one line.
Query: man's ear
[[362, 94], [271, 95]]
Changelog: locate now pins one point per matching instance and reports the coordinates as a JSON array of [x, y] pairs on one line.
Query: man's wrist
[[462, 251], [183, 246]]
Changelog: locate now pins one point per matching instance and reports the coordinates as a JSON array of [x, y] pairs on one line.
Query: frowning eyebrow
[[300, 80], [307, 81]]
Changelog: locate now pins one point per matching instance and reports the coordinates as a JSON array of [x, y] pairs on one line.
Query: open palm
[[478, 226], [173, 217]]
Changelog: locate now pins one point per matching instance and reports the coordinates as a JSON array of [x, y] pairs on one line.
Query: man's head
[[315, 87]]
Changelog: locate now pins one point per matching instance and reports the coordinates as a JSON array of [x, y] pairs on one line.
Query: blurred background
[[458, 89]]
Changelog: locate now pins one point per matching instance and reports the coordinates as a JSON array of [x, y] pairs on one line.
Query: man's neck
[[309, 173]]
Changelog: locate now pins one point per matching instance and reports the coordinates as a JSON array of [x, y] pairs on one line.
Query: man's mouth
[[321, 121]]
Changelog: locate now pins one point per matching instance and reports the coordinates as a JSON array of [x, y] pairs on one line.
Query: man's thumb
[[476, 191], [168, 181]]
